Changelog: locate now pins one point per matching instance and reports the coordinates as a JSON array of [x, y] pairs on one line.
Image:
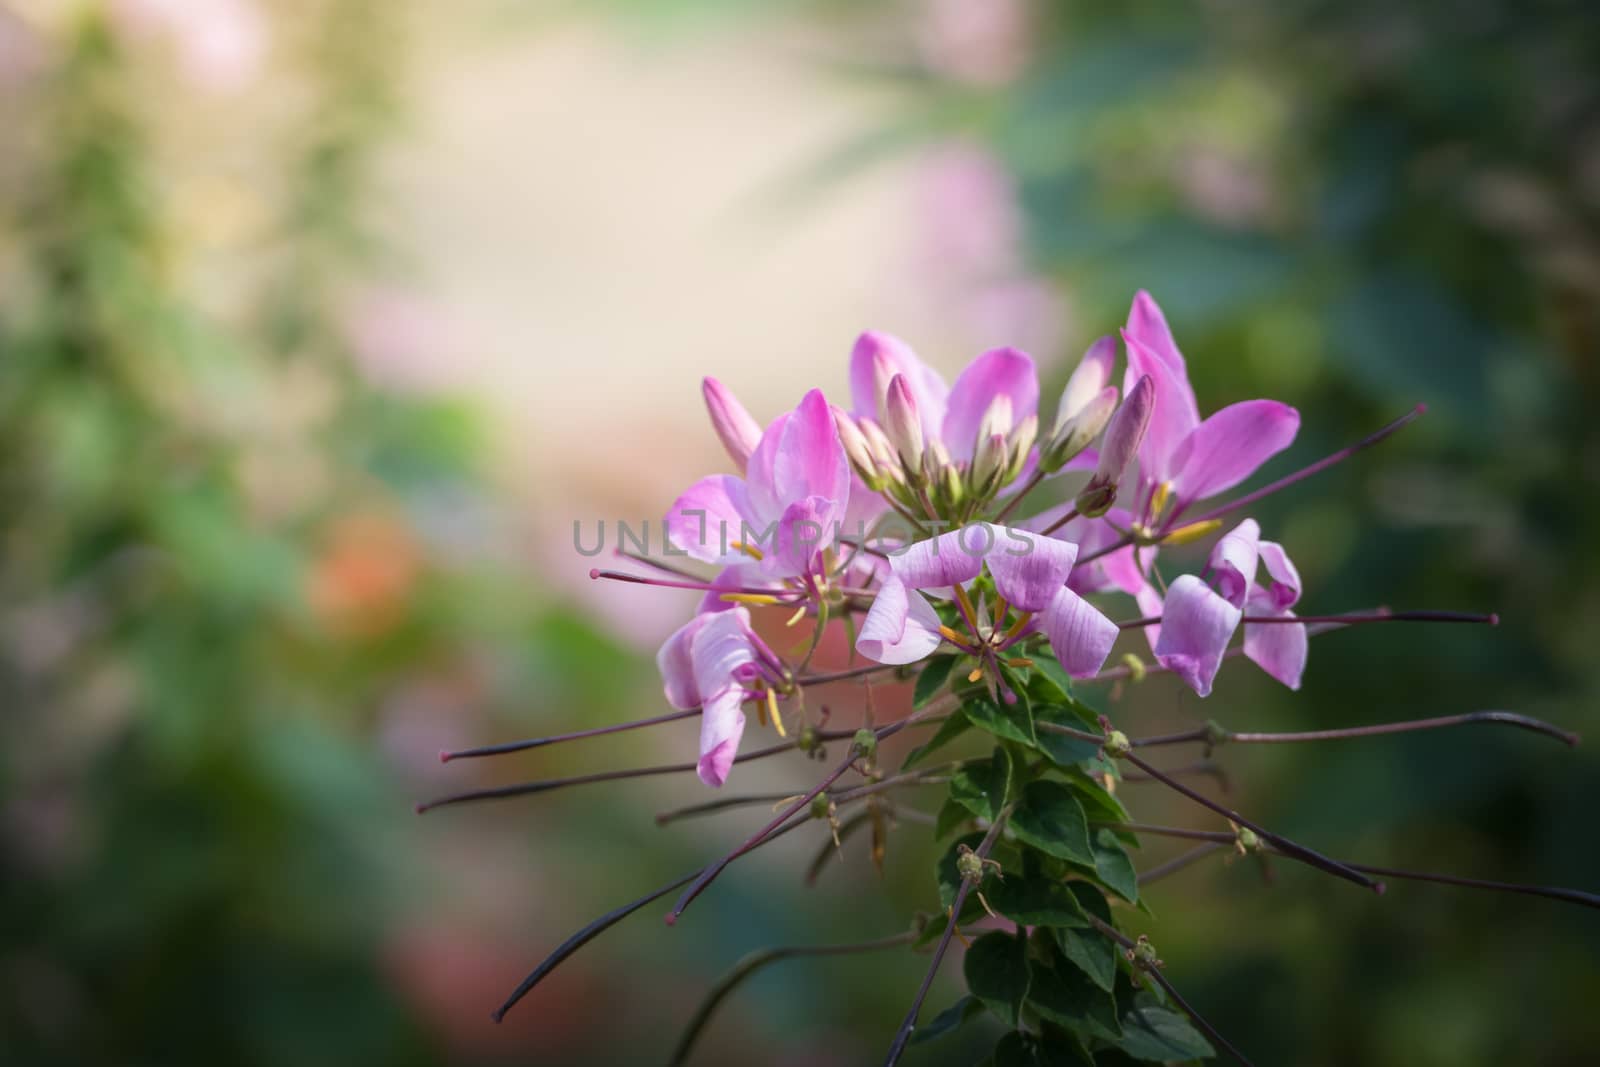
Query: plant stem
[[903, 1036], [1011, 505], [1179, 862], [576, 735], [754, 962]]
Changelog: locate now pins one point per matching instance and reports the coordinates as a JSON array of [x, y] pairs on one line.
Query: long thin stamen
[[1352, 619], [596, 573], [576, 735], [1213, 734], [710, 873], [903, 1036], [1282, 483], [1315, 468], [1179, 862], [1283, 844], [668, 568], [754, 962], [1210, 1031]]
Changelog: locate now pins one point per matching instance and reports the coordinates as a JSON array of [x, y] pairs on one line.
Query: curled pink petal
[[805, 528], [1029, 569], [998, 372], [1148, 326], [900, 627], [1285, 589], [1080, 635], [1233, 558], [1089, 378], [721, 727], [675, 661], [1196, 625], [1228, 447]]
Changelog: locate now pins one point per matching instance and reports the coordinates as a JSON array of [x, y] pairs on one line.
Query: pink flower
[[1029, 571], [1197, 621], [951, 415], [1182, 458], [786, 508], [710, 663]]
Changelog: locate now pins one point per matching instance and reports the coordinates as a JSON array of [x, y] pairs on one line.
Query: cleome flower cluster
[[916, 523]]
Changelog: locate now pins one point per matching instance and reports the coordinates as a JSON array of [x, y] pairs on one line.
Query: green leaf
[[931, 679], [1065, 995], [1150, 1033], [1011, 722], [951, 1019], [981, 786], [1098, 804], [950, 817], [1051, 820], [996, 969], [948, 731], [1114, 867], [1049, 681], [1066, 751], [1091, 951], [1031, 897], [1051, 1048]]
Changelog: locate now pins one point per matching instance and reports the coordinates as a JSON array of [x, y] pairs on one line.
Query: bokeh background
[[321, 321]]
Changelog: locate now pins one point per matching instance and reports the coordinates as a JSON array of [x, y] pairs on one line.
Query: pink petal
[[881, 355], [998, 372], [1148, 326], [1029, 569], [721, 646], [721, 726], [675, 661], [810, 460], [1285, 577], [710, 517], [1080, 635], [900, 627], [1228, 447], [1196, 625], [1233, 558], [1279, 648], [949, 559], [1173, 416], [738, 431]]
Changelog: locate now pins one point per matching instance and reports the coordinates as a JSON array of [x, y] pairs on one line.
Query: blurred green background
[[322, 320]]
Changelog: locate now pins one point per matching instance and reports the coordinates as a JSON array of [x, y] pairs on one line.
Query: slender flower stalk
[[1153, 970], [555, 739], [902, 1036], [758, 960], [1212, 734], [1181, 862]]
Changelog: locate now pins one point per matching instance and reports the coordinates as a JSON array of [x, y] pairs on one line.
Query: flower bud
[[1126, 431], [865, 743], [1022, 439], [997, 419], [989, 464], [903, 424], [1117, 745], [1121, 443], [1088, 380], [887, 463], [1078, 429], [969, 865], [857, 450], [738, 431]]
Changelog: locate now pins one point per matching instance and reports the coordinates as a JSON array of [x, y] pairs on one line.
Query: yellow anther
[[977, 673], [799, 613], [1016, 628], [772, 709], [750, 550], [761, 710], [1136, 667], [950, 635], [760, 599], [1192, 532], [1019, 661], [1158, 500], [966, 605]]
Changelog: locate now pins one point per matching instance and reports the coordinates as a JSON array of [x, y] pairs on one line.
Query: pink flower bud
[[903, 424], [738, 431]]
